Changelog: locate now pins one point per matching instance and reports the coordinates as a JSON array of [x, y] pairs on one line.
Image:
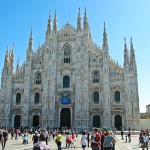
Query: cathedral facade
[[71, 82]]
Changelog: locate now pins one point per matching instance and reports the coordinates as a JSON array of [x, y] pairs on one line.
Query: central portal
[[65, 118]]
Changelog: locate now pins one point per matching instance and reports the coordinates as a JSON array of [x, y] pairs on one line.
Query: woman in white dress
[[84, 140]]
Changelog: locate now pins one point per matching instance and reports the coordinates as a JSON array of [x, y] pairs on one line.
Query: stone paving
[[120, 145]]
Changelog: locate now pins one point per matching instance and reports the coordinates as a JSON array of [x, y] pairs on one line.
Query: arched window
[[37, 98], [96, 97], [67, 54], [117, 96], [38, 78], [66, 81], [95, 77], [18, 98]]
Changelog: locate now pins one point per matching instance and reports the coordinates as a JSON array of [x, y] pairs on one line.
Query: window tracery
[[67, 54], [95, 77], [38, 78]]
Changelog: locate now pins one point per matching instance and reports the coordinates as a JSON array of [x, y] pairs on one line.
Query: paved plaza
[[120, 145]]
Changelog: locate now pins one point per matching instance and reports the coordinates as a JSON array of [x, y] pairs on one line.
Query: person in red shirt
[[16, 132], [73, 140], [95, 140]]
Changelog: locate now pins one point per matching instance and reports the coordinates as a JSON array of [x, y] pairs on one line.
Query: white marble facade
[[69, 67]]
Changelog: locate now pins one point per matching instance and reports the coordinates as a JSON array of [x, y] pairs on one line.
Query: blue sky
[[124, 18]]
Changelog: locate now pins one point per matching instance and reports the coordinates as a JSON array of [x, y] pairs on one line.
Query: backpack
[[5, 134], [35, 138]]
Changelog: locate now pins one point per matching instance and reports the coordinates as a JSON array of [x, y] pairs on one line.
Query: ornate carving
[[67, 33]]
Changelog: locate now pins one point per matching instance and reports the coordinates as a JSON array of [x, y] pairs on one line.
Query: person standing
[[122, 132], [108, 141], [5, 137], [41, 145], [58, 140], [35, 137], [45, 133], [129, 136], [88, 138]]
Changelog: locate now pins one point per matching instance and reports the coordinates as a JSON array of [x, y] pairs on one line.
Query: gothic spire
[[132, 54], [48, 32], [17, 67], [126, 54], [79, 22], [12, 57], [55, 24], [85, 21], [105, 45], [30, 45]]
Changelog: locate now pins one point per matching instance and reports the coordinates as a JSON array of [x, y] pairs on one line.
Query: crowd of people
[[97, 139]]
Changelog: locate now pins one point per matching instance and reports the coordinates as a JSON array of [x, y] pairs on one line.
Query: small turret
[[55, 24], [126, 54], [79, 22]]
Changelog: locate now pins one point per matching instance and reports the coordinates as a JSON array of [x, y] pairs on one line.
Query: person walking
[[1, 137], [5, 137], [145, 141], [58, 140], [83, 140]]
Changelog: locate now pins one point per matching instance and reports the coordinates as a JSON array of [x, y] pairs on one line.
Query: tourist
[[1, 137], [145, 141], [95, 140], [129, 136], [58, 140], [5, 137], [73, 140], [35, 137], [41, 145], [68, 140], [45, 133], [88, 138], [83, 140], [108, 141], [122, 132]]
